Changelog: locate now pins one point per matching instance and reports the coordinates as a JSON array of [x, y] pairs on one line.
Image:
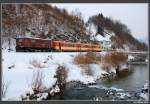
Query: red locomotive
[[37, 44]]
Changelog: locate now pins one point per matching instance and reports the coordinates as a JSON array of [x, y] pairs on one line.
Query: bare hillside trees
[[123, 33]]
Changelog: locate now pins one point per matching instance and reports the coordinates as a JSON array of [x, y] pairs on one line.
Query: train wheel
[[25, 50]]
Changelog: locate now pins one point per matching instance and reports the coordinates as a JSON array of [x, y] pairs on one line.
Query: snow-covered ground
[[145, 94], [18, 70]]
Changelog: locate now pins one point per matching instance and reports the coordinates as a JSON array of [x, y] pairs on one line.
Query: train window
[[26, 40], [20, 40], [69, 45], [72, 45], [85, 46], [33, 40]]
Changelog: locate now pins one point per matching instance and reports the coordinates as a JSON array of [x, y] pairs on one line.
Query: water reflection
[[134, 80]]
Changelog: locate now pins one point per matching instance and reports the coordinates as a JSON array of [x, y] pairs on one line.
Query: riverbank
[[19, 69], [79, 91]]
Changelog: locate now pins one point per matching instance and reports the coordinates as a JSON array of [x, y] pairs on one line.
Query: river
[[132, 83]]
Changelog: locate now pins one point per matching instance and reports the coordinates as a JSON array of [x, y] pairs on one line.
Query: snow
[[98, 86], [18, 71], [75, 74], [126, 47], [123, 66], [146, 85], [145, 96], [146, 60], [122, 95], [116, 89], [6, 46], [42, 96], [55, 90], [20, 75], [107, 35], [92, 29], [120, 92], [97, 70], [130, 57], [101, 38]]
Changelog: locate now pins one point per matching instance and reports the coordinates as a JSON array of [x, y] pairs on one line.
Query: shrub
[[37, 81], [114, 59], [85, 59], [61, 74], [88, 58]]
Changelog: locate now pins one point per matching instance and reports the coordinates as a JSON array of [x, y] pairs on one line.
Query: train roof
[[31, 38], [54, 40]]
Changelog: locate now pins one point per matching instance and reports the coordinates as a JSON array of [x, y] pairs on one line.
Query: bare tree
[[61, 75]]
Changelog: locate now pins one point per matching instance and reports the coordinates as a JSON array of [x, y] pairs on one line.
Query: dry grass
[[106, 67], [35, 63], [5, 86], [108, 61], [87, 69], [113, 59], [37, 81], [85, 59], [88, 58]]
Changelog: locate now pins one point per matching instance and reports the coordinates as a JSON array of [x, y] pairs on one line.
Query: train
[[27, 44]]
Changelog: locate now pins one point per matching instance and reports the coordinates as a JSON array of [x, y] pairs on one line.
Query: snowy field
[[18, 71]]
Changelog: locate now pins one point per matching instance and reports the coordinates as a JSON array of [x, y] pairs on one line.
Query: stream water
[[131, 83]]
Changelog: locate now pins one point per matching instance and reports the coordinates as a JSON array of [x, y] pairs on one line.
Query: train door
[[59, 46], [33, 43], [78, 47]]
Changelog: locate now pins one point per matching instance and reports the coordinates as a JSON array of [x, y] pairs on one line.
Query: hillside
[[43, 21], [123, 37], [46, 21]]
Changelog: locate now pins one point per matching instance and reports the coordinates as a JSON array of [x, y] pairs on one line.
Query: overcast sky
[[135, 16]]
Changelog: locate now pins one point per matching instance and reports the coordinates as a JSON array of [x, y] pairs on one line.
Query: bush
[[37, 81], [61, 74], [85, 59], [114, 59], [88, 58]]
